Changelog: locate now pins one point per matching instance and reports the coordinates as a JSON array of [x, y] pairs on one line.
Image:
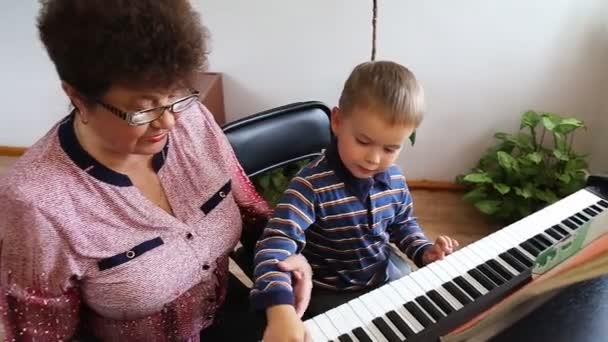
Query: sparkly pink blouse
[[80, 245]]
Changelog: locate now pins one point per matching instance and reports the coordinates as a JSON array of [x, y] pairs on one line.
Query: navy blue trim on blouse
[[71, 146], [136, 251]]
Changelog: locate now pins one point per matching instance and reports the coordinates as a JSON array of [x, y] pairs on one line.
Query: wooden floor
[[438, 212]]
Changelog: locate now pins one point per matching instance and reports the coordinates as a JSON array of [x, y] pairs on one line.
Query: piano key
[[457, 293], [374, 301], [490, 249], [582, 217], [603, 204], [418, 313], [554, 233], [596, 208], [536, 243], [490, 273], [468, 287], [570, 224], [482, 279], [500, 269], [326, 327], [386, 330], [444, 276], [366, 316], [430, 308], [358, 328], [340, 323], [421, 278], [401, 325], [521, 257], [528, 246], [590, 212], [395, 297], [437, 285], [576, 220], [516, 264], [316, 335], [362, 335], [443, 304], [561, 230]]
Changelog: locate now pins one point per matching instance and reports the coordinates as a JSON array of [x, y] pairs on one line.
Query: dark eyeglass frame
[[131, 117]]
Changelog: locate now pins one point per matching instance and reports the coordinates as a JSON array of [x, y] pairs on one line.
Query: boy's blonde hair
[[390, 87]]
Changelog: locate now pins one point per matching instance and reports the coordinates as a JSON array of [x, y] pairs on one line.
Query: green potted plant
[[527, 170]]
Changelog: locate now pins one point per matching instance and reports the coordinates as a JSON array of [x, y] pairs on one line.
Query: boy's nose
[[372, 158]]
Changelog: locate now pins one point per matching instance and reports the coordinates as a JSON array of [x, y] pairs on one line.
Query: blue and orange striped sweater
[[341, 224]]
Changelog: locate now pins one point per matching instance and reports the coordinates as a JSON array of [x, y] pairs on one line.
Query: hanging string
[[374, 20]]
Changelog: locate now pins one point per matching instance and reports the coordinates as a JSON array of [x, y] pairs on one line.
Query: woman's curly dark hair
[[95, 43]]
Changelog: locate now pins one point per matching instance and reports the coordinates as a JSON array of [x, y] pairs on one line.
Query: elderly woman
[[119, 222]]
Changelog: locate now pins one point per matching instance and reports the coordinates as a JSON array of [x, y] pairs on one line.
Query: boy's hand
[[284, 325], [444, 245], [302, 287]]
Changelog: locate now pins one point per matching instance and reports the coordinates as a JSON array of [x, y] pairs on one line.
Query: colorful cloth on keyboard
[[343, 226]]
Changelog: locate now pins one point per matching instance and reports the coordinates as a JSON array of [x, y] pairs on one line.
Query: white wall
[[482, 64]]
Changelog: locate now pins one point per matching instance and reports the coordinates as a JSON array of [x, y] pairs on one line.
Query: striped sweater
[[343, 226]]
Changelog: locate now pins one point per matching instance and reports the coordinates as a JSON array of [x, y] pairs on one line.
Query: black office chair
[[272, 139]]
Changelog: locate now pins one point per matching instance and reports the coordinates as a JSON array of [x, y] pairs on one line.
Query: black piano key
[[554, 234], [539, 245], [521, 257], [561, 231], [345, 338], [530, 248], [361, 335], [513, 262], [403, 327], [500, 269], [482, 279], [467, 287], [582, 217], [490, 273], [576, 220], [570, 224], [457, 293], [596, 208], [431, 309], [603, 203], [591, 212], [418, 314], [385, 329], [545, 240], [443, 304]]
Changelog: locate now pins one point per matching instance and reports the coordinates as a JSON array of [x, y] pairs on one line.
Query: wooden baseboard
[[424, 184], [11, 151]]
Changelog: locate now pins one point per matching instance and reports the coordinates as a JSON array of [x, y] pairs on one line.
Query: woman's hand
[[284, 325], [302, 287]]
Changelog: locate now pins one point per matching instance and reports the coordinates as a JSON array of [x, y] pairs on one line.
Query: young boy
[[342, 210]]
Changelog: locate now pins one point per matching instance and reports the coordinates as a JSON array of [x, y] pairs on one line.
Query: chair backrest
[[279, 136]]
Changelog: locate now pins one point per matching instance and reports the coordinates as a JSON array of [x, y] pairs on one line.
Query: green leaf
[[547, 196], [561, 155], [525, 193], [564, 177], [550, 121], [413, 138], [507, 161], [477, 178], [264, 180], [488, 207], [535, 157], [501, 136], [474, 195], [530, 119], [502, 188], [568, 125]]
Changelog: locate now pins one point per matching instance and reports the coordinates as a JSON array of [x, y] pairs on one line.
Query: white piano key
[[394, 297], [340, 323], [316, 335], [366, 316], [326, 327], [373, 299], [437, 285], [353, 320], [467, 277]]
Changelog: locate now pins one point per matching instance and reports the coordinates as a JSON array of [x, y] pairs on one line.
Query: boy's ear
[[335, 119]]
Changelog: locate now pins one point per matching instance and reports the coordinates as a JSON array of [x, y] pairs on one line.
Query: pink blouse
[[79, 244]]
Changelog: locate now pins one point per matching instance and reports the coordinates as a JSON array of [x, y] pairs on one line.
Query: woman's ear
[[76, 100]]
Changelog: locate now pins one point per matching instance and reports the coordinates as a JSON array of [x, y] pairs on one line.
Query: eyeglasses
[[145, 116]]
